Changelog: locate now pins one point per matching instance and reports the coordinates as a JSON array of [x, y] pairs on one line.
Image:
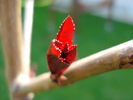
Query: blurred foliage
[[43, 2], [40, 3], [91, 37]]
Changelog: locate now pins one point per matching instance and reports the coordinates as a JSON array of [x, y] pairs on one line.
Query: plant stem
[[118, 57], [17, 73]]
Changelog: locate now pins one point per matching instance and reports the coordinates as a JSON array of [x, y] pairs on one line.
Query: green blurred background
[[91, 37]]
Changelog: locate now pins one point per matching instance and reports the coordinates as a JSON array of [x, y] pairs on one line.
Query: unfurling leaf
[[61, 52]]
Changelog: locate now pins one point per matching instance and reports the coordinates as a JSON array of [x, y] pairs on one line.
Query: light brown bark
[[118, 57], [11, 36]]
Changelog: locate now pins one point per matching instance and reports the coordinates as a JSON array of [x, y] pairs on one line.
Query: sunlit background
[[100, 24]]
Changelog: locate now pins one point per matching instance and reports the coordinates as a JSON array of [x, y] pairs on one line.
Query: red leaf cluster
[[61, 52]]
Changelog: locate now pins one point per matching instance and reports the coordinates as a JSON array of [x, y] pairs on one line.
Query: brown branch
[[118, 57], [11, 37], [75, 11], [12, 43]]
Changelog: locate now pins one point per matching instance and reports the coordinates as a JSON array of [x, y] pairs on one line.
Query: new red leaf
[[61, 52]]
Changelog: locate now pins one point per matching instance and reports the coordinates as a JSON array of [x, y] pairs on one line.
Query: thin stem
[[27, 31]]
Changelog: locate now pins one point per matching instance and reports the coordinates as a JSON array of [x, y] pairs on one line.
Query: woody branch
[[17, 70], [118, 57]]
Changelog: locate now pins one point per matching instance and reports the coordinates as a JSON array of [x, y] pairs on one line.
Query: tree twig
[[27, 31], [118, 57]]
